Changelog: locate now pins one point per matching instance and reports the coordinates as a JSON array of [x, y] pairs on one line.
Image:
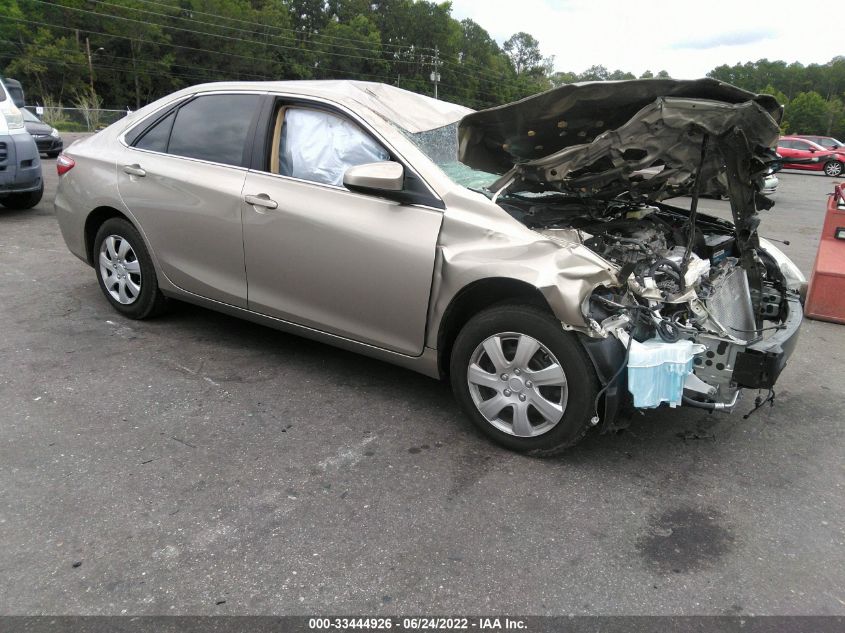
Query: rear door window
[[155, 139], [214, 128]]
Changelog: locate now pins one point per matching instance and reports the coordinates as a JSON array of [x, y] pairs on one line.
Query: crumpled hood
[[595, 139]]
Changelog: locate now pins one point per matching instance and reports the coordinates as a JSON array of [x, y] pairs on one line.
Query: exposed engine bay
[[683, 281], [593, 165]]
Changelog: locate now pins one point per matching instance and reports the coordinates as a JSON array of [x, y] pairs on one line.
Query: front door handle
[[134, 170], [261, 200]]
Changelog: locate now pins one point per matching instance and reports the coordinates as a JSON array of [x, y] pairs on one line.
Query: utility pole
[[90, 65], [435, 74]]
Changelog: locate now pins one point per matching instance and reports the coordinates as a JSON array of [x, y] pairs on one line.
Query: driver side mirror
[[813, 150], [385, 178]]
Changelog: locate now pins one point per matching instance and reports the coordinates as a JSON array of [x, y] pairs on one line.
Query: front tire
[[125, 270], [522, 380], [25, 200], [833, 168]]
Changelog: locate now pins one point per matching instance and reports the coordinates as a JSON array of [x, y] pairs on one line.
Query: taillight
[[64, 164]]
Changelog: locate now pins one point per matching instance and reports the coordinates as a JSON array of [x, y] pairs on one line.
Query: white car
[[21, 184]]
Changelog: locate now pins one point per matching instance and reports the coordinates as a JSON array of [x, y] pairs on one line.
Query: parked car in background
[[21, 184], [46, 137], [530, 267], [800, 153], [770, 184], [828, 142]]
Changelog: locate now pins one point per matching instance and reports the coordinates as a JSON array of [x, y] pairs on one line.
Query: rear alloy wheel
[[25, 200], [120, 269], [523, 380], [125, 270], [833, 168]]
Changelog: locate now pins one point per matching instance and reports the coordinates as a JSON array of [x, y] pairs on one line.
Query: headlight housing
[[14, 118], [54, 133], [792, 275]]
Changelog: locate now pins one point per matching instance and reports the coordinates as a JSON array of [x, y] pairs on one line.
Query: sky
[[687, 39]]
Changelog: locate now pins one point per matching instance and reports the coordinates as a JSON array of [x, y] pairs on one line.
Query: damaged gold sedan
[[527, 252]]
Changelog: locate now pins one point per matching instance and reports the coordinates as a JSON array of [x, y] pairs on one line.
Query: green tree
[[769, 89], [560, 78], [807, 113], [364, 61], [142, 50], [524, 51], [48, 66], [835, 118], [594, 73]]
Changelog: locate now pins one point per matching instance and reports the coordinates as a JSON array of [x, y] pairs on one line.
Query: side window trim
[[420, 191], [136, 133], [153, 126], [247, 156], [291, 119]]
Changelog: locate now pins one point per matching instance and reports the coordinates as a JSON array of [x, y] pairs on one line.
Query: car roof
[[801, 138], [409, 110]]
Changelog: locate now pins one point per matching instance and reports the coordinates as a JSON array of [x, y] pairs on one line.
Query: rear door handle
[[134, 170], [261, 200]]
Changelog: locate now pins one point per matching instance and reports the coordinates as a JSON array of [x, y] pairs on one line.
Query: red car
[[807, 155]]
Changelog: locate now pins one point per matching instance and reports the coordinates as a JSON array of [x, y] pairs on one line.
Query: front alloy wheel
[[523, 381], [517, 384]]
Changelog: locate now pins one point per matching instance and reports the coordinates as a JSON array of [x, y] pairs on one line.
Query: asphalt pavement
[[198, 464]]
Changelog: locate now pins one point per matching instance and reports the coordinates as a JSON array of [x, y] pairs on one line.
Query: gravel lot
[[197, 464]]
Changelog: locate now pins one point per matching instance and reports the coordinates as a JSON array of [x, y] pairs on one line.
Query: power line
[[354, 74], [123, 69], [216, 52], [414, 47], [84, 65], [264, 26], [204, 33], [144, 60], [493, 77]]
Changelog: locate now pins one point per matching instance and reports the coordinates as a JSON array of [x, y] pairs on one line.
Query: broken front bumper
[[759, 366]]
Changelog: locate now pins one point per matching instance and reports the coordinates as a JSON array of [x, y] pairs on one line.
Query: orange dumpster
[[826, 292]]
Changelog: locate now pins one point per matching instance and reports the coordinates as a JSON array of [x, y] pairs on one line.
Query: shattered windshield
[[441, 146]]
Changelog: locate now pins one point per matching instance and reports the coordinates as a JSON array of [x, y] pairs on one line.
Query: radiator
[[730, 305]]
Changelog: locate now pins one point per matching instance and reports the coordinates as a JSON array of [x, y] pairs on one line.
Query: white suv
[[21, 184]]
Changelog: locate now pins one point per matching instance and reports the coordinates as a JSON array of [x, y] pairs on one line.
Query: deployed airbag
[[320, 146]]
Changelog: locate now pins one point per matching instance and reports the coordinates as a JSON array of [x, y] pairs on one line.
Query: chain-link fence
[[77, 119]]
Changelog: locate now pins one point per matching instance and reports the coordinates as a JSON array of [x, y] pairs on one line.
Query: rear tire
[[25, 200], [125, 271], [497, 391], [833, 168]]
